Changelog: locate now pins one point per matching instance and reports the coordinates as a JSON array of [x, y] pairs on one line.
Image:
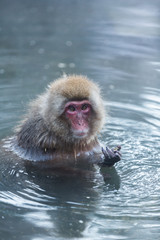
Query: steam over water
[[115, 43]]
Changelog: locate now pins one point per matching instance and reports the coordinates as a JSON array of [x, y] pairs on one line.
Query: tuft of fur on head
[[48, 108]]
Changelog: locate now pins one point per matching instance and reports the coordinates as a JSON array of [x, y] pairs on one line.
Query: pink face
[[78, 113]]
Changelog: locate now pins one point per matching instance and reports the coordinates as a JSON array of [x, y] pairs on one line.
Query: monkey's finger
[[117, 148], [117, 153], [106, 154], [110, 152], [118, 156]]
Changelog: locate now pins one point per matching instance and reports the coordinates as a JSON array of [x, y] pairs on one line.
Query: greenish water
[[116, 43]]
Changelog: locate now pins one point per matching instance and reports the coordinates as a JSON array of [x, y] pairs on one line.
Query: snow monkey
[[63, 124]]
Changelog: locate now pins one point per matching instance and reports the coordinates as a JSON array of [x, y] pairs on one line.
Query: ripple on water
[[136, 204]]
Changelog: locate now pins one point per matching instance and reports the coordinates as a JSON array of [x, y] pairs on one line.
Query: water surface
[[116, 43]]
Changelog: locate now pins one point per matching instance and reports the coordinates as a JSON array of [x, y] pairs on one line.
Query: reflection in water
[[117, 44], [75, 197]]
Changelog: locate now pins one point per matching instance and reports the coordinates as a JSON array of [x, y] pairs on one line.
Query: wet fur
[[45, 129]]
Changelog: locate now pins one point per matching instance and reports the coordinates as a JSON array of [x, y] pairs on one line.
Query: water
[[117, 44]]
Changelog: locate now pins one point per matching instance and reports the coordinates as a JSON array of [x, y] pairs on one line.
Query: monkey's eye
[[84, 106], [71, 108]]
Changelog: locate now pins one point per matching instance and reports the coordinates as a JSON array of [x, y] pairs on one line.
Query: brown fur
[[45, 126]]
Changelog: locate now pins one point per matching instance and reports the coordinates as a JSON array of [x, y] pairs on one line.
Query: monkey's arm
[[111, 156]]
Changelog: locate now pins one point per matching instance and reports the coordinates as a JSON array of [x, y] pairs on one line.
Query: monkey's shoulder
[[34, 135]]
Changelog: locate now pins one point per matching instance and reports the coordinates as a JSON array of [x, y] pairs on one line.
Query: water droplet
[[61, 65], [111, 87], [2, 71], [80, 221], [41, 51], [32, 43], [17, 174], [72, 65], [68, 43]]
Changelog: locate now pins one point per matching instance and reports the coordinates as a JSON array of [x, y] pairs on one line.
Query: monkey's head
[[73, 109]]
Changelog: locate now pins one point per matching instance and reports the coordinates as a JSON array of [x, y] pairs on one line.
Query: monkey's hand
[[111, 156]]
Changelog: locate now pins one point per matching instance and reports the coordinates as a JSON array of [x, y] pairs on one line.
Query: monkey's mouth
[[80, 133]]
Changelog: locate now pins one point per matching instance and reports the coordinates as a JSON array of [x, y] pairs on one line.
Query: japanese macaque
[[63, 123]]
